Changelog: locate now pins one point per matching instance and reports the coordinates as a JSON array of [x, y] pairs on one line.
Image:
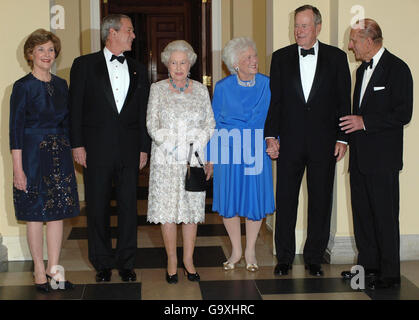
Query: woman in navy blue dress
[[243, 184], [44, 185]]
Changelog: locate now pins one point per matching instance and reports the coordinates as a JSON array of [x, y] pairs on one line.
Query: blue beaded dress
[[39, 126], [243, 183]]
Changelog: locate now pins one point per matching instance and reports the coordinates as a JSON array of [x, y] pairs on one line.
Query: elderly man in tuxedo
[[310, 85], [382, 105], [108, 102]]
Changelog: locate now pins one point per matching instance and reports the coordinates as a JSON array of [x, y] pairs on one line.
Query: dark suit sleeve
[[144, 136], [344, 92], [272, 127], [401, 96], [76, 98]]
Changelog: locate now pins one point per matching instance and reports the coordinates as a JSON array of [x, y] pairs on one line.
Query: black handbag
[[195, 179]]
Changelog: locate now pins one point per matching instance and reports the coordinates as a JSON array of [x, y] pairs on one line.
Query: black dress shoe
[[104, 275], [314, 269], [281, 269], [191, 276], [42, 287], [384, 283], [347, 275], [128, 275], [171, 279], [62, 285]]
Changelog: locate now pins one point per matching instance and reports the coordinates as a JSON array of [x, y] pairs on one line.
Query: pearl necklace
[[249, 83], [179, 89]]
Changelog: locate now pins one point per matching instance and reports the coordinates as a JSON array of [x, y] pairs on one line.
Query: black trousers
[[98, 183], [375, 209], [320, 178]]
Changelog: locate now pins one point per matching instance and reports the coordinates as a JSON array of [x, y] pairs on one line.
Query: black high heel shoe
[[171, 279], [42, 287], [62, 285], [191, 276]]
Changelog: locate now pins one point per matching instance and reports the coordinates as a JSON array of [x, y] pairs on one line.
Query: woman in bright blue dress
[[44, 184], [243, 184]]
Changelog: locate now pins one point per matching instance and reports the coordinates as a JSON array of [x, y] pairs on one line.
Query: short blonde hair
[[178, 45], [36, 38], [233, 49]]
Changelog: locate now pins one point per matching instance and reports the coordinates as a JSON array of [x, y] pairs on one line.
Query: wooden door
[[157, 22], [162, 30]]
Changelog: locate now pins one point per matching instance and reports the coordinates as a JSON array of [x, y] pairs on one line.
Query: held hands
[[19, 180], [79, 155], [272, 148], [143, 159]]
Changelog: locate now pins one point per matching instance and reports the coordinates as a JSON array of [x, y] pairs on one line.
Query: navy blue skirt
[[51, 182]]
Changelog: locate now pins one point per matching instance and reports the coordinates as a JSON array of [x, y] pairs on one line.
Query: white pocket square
[[379, 88]]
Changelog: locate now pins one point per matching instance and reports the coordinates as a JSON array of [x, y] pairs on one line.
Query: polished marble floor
[[212, 248]]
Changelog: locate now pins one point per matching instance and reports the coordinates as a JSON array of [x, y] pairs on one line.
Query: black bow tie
[[121, 59], [305, 52], [365, 65]]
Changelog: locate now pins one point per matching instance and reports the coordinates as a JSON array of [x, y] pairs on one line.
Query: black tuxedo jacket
[[95, 122], [311, 126], [386, 107]]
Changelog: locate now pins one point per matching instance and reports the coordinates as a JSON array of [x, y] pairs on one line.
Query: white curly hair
[[233, 49], [178, 45]]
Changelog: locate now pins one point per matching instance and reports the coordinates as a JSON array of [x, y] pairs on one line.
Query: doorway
[[158, 22]]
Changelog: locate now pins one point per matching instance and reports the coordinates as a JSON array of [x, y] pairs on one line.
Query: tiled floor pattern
[[212, 248]]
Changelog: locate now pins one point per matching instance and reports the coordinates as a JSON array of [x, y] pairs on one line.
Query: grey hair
[[111, 21], [369, 28], [178, 45], [316, 13], [233, 49]]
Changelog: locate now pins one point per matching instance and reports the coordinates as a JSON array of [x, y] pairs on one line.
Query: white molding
[[3, 251], [342, 250], [269, 35], [94, 25], [54, 65], [216, 41], [409, 247], [18, 249]]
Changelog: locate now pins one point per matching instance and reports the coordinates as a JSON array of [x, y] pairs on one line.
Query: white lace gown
[[174, 120]]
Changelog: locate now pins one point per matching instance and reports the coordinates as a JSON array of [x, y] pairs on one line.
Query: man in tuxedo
[[108, 102], [382, 105], [310, 86]]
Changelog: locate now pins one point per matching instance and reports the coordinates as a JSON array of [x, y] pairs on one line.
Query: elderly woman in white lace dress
[[179, 114]]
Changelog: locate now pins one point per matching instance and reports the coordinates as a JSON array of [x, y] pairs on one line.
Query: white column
[[216, 41], [95, 25]]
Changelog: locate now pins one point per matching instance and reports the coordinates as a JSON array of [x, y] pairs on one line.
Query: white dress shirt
[[119, 78], [368, 73], [308, 66]]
